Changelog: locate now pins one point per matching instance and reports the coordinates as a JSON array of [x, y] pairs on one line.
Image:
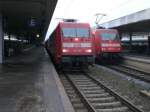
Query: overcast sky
[[84, 10]]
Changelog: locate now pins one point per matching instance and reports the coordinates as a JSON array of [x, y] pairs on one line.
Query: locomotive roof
[[73, 24]]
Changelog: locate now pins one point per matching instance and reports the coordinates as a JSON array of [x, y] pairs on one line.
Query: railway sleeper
[[102, 100], [82, 110], [78, 105], [94, 92], [91, 88], [80, 80], [68, 88], [97, 95], [70, 91], [118, 109], [107, 105], [85, 86], [72, 96], [86, 83], [75, 100]]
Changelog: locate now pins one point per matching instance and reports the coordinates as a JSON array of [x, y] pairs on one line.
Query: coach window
[[83, 32], [69, 32]]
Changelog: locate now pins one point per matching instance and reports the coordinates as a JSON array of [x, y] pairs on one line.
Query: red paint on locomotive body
[[106, 41], [79, 41]]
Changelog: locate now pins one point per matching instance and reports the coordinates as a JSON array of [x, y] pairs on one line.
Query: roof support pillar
[[130, 36], [120, 34], [148, 47], [1, 40]]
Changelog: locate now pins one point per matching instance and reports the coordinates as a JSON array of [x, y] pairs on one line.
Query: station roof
[[136, 22], [27, 15], [142, 26]]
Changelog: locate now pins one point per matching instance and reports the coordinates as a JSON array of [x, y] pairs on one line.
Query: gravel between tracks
[[125, 86]]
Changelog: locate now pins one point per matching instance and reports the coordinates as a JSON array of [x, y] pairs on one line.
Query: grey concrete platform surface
[[139, 59], [29, 83]]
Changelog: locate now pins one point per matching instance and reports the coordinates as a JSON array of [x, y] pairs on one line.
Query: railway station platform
[[138, 62], [29, 83], [137, 58]]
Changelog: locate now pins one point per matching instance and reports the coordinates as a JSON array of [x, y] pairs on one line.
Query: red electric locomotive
[[71, 44], [107, 43]]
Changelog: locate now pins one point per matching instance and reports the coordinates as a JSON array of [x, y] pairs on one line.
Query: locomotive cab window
[[83, 32], [109, 36], [69, 32]]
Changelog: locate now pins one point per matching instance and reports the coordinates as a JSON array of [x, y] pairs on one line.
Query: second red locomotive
[[71, 44], [107, 43]]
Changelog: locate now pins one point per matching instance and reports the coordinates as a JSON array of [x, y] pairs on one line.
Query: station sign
[[32, 22]]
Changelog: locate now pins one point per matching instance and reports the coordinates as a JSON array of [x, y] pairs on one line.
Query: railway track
[[74, 96], [132, 71], [92, 96]]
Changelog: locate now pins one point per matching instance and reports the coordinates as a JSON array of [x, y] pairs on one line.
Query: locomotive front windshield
[[69, 32], [109, 36], [82, 32], [76, 32]]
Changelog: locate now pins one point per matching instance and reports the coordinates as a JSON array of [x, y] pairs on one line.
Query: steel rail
[[83, 98], [141, 77], [90, 107]]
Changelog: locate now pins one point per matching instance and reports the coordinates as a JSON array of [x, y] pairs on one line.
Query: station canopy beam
[[27, 16], [24, 19]]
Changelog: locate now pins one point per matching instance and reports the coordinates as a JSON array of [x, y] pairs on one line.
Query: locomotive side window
[[82, 32], [109, 36], [69, 32]]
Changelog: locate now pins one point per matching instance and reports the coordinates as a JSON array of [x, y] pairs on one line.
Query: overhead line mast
[[99, 17]]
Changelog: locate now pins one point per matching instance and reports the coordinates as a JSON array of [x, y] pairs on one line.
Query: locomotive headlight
[[76, 39], [89, 50], [64, 50]]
